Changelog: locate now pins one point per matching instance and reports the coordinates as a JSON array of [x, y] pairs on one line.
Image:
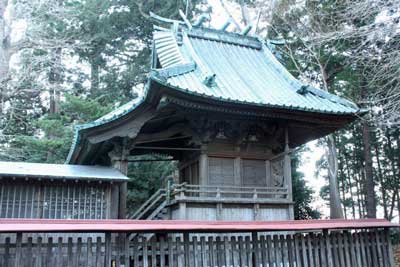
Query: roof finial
[[187, 8], [246, 30], [303, 90], [209, 80], [165, 20], [203, 18], [226, 25], [185, 19]]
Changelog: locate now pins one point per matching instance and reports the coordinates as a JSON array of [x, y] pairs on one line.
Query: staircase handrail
[[160, 198], [150, 200]]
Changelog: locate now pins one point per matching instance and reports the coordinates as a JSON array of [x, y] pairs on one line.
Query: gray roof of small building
[[59, 171]]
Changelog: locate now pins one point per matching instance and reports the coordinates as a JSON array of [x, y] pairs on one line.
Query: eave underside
[[173, 123]]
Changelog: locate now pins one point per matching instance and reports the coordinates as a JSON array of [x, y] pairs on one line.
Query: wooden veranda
[[193, 243]]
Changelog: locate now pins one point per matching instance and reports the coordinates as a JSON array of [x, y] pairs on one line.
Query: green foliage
[[302, 192], [49, 137], [145, 178]]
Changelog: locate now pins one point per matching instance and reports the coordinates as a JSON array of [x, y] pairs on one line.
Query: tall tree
[[5, 54]]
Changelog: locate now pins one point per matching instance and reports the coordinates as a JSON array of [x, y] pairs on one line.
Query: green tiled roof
[[227, 67], [237, 68]]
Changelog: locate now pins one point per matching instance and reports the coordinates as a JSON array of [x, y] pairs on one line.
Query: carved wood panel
[[277, 172]]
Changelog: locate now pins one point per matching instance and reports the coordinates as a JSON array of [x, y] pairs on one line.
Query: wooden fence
[[362, 248]]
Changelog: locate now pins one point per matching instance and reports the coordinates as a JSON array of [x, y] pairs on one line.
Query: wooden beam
[[149, 160], [163, 139], [165, 133], [167, 148]]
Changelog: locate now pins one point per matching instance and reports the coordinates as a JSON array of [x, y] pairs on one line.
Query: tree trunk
[[94, 78], [55, 83], [55, 80], [359, 198], [353, 210], [381, 181], [245, 13], [342, 187], [369, 177], [5, 53], [336, 211], [393, 171]]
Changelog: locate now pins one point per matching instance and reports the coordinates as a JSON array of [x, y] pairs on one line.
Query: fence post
[[186, 248], [389, 248], [107, 252], [328, 247], [256, 250], [18, 250]]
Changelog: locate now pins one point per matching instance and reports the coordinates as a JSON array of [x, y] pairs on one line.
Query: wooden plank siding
[[54, 200], [334, 248]]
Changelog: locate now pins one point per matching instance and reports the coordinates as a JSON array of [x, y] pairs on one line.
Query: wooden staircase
[[155, 208]]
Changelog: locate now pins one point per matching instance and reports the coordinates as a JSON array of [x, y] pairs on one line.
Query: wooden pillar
[[268, 179], [287, 173], [114, 212], [119, 161], [122, 166], [203, 166], [182, 207], [237, 172]]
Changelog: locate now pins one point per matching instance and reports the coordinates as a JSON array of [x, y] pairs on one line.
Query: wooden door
[[221, 171], [254, 173]]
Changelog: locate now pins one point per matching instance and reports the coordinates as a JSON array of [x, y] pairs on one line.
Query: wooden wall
[[229, 212], [56, 199], [227, 164]]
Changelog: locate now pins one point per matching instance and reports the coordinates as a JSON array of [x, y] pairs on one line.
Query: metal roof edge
[[100, 122], [226, 100], [49, 177], [50, 171], [289, 77], [175, 70], [226, 37]]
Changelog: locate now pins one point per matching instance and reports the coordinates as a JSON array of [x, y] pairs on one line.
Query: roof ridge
[[224, 37]]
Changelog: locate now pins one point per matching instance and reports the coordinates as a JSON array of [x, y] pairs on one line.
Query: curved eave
[[83, 130], [356, 112], [86, 128]]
